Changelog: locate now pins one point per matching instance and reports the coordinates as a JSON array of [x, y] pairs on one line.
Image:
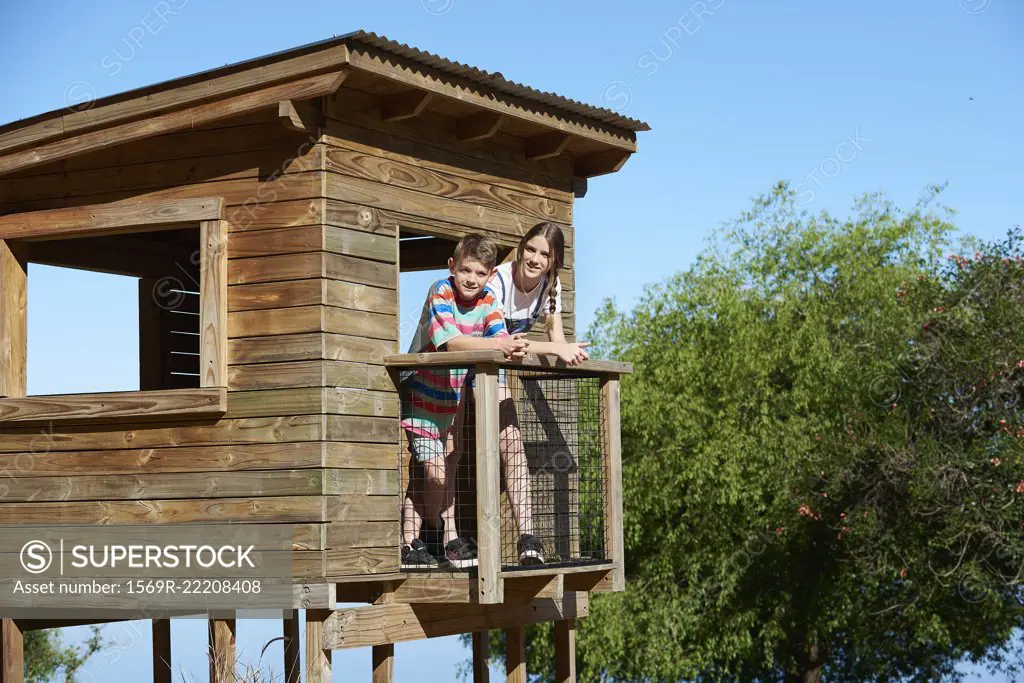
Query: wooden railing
[[487, 366]]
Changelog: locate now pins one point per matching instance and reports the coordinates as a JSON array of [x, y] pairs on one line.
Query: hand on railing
[[514, 347], [573, 352]]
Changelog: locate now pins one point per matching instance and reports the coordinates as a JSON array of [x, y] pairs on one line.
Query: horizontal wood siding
[[311, 435], [265, 460]]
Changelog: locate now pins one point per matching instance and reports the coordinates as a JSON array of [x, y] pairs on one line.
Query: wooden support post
[[162, 651], [481, 655], [318, 660], [13, 322], [614, 545], [222, 650], [384, 655], [12, 653], [515, 654], [488, 484], [292, 662], [383, 663], [565, 651]]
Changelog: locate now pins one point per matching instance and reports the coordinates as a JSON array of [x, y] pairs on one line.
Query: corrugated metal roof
[[498, 82], [492, 80]]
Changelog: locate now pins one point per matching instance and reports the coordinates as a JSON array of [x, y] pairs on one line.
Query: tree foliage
[[822, 443], [46, 655]]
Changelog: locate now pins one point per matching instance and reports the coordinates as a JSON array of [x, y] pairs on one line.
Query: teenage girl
[[528, 290]]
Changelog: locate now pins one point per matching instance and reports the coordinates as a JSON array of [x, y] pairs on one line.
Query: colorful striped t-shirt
[[431, 395]]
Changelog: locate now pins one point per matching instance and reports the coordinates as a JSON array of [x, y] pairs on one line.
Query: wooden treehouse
[[267, 209]]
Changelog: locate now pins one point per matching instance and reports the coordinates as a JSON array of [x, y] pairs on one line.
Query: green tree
[[46, 656], [822, 451]]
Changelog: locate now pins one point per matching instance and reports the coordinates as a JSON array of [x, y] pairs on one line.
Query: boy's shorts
[[425, 448]]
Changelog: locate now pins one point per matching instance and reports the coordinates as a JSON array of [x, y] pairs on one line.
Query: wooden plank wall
[[311, 315], [311, 435], [416, 175]]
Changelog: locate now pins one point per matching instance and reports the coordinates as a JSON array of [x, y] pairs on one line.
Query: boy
[[460, 314]]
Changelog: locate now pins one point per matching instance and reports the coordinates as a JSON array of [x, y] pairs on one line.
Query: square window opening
[[114, 313], [176, 252]]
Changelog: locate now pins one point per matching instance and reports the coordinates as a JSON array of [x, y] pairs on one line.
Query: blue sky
[[739, 93]]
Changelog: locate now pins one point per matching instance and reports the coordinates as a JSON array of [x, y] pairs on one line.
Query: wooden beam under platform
[[396, 623], [459, 588]]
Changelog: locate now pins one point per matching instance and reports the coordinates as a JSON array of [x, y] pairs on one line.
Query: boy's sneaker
[[416, 556], [460, 553], [433, 539], [531, 550]]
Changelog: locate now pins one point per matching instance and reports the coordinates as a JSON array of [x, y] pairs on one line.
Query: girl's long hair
[[556, 243]]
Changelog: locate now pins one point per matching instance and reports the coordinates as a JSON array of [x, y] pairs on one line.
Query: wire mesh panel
[[558, 497], [438, 485], [553, 470]]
